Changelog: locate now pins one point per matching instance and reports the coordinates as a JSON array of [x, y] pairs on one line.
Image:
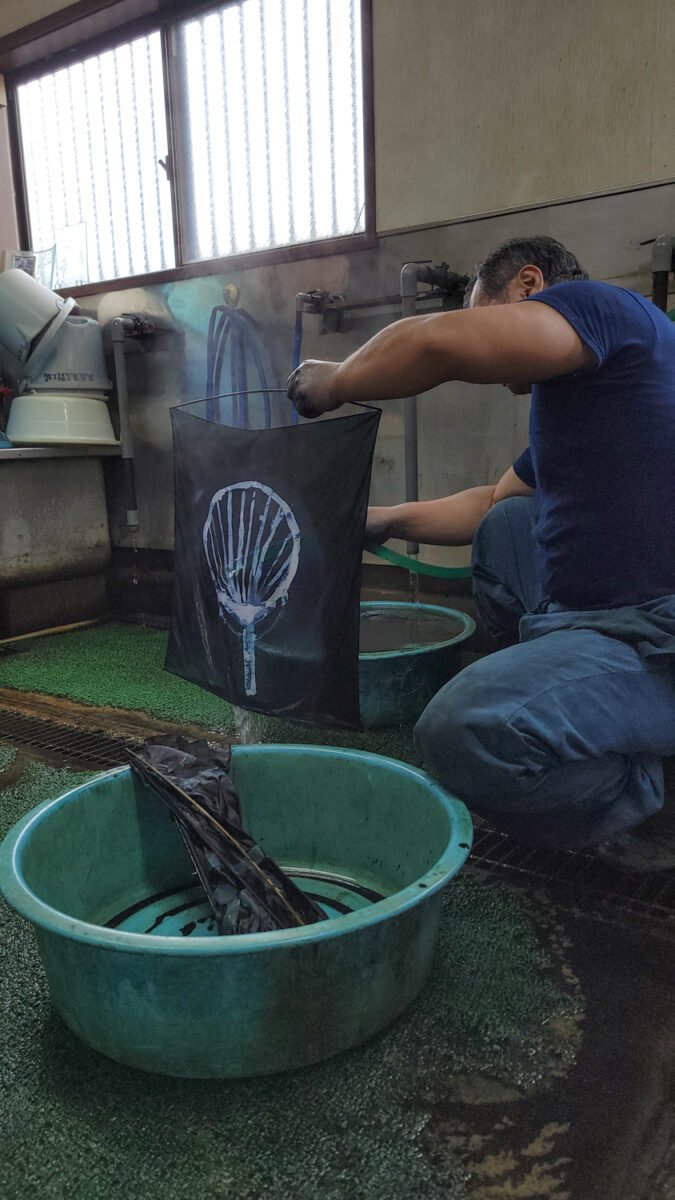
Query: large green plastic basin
[[194, 1004], [395, 686]]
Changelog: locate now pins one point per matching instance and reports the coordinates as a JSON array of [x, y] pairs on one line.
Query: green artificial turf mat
[[501, 1011], [393, 742], [7, 756], [113, 665]]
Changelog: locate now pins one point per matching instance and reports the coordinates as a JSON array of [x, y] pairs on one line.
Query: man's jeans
[[558, 739]]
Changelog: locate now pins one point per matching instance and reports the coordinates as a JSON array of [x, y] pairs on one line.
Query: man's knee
[[521, 787], [456, 736], [435, 730], [480, 739]]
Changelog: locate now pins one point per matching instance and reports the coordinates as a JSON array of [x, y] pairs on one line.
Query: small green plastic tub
[[133, 966], [395, 685]]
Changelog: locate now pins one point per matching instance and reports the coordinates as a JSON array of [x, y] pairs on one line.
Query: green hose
[[419, 568]]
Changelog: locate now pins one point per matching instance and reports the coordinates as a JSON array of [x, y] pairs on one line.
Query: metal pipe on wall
[[451, 286], [662, 265], [409, 278], [119, 327]]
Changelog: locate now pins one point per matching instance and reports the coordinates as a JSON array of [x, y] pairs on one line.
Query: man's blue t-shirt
[[602, 454]]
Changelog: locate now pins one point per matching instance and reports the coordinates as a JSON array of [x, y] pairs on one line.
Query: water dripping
[[415, 601], [134, 559]]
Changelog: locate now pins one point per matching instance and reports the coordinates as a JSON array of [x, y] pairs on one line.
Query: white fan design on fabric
[[252, 545]]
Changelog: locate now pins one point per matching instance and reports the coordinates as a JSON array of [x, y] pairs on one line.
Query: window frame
[[60, 42]]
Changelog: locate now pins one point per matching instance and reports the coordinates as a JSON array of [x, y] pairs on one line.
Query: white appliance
[[54, 360]]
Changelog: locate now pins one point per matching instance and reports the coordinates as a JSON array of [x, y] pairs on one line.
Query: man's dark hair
[[556, 264]]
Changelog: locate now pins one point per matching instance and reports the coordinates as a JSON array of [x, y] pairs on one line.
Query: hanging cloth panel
[[269, 537]]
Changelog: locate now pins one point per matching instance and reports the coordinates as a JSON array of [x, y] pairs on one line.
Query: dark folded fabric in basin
[[248, 891]]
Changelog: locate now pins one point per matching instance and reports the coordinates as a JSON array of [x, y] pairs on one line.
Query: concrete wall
[[15, 14], [498, 103], [9, 234], [54, 523], [492, 104]]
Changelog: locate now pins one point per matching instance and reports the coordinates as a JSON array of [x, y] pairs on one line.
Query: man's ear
[[530, 280]]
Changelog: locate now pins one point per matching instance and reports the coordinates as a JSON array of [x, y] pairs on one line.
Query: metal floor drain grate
[[90, 746], [581, 879], [590, 884]]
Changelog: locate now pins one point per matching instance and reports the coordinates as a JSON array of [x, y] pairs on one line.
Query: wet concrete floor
[[605, 1129]]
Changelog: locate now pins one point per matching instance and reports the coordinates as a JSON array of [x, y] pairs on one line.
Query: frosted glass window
[[271, 115], [267, 112], [92, 135]]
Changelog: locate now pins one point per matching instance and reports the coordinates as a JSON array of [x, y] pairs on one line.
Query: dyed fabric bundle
[[247, 891]]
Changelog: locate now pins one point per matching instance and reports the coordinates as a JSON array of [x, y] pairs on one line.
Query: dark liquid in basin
[[404, 629]]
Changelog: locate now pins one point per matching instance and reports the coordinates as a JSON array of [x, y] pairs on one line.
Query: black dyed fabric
[[247, 890], [269, 536]]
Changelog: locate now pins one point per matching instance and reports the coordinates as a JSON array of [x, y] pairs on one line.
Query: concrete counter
[[53, 515], [16, 453]]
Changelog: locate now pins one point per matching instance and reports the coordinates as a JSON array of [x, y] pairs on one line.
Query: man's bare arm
[[451, 521], [510, 343]]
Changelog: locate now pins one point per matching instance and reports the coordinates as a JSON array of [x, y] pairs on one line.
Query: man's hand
[[311, 387]]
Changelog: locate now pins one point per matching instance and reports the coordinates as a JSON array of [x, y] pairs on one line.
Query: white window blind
[[267, 105], [273, 129], [92, 137]]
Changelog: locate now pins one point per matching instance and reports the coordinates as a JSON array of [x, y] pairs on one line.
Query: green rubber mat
[[114, 665], [499, 1022]]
